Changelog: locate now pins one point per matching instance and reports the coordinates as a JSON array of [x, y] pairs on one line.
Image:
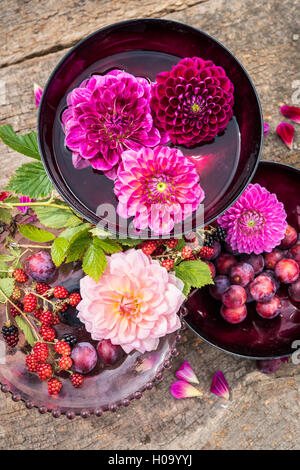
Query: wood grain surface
[[263, 412]]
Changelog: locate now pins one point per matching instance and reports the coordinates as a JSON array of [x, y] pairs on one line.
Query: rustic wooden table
[[264, 410]]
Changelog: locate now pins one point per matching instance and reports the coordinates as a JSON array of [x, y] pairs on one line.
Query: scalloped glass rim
[[251, 124], [191, 319]]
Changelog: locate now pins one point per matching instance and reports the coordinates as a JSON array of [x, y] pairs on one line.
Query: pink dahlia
[[256, 222], [134, 303], [192, 102], [159, 187], [106, 115]]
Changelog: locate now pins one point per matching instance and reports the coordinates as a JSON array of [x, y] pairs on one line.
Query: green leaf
[[77, 247], [109, 246], [26, 330], [5, 215], [180, 244], [30, 180], [130, 241], [72, 232], [35, 234], [94, 261], [195, 273], [101, 233], [3, 269], [53, 217], [7, 287], [58, 250], [25, 144]]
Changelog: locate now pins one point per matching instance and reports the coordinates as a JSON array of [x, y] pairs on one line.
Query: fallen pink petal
[[286, 133], [24, 199], [181, 389], [266, 128], [220, 386], [185, 372], [38, 91], [291, 112]]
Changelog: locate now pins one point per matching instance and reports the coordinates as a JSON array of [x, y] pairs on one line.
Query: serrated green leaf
[[94, 261], [35, 234], [129, 241], [30, 180], [109, 246], [26, 330], [78, 246], [7, 287], [58, 250], [54, 217], [196, 273], [25, 144], [61, 246], [101, 233], [3, 269], [5, 215], [72, 232]]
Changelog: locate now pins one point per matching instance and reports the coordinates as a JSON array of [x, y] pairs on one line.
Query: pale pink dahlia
[[106, 115], [134, 303], [158, 187], [256, 222]]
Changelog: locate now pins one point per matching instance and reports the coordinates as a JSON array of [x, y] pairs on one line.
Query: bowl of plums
[[253, 308]]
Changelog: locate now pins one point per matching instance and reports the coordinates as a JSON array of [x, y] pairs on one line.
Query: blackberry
[[70, 339], [220, 234], [209, 241], [10, 335]]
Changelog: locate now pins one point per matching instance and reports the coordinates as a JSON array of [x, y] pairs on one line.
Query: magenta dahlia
[[256, 222], [106, 115], [192, 102], [158, 187]]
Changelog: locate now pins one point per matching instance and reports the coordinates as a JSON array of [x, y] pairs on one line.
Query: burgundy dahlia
[[106, 115], [192, 102]]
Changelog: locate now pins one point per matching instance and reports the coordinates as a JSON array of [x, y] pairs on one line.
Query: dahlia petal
[[220, 386], [38, 91], [291, 112], [181, 389], [286, 133], [79, 162], [185, 372], [266, 128]]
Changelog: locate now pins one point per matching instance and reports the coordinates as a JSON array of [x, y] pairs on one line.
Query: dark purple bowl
[[255, 337], [146, 47]]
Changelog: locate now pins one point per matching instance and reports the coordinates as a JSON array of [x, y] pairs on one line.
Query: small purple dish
[[145, 47], [255, 337]]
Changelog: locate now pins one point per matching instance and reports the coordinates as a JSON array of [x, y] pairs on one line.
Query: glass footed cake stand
[[104, 388]]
